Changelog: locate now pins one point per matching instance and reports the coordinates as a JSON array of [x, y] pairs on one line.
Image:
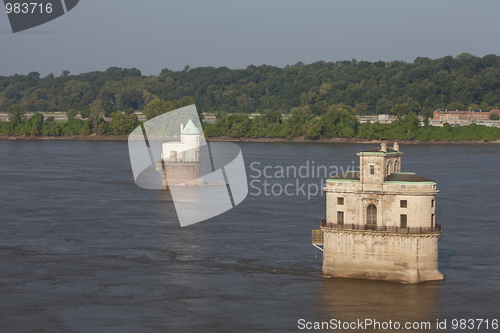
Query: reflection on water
[[350, 300]]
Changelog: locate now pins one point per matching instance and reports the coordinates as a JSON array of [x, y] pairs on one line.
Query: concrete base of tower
[[380, 256], [175, 173], [402, 277]]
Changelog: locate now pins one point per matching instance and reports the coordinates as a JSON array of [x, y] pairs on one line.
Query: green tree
[[455, 106], [473, 106], [273, 117], [12, 92], [155, 108], [340, 121], [158, 107], [123, 124], [400, 110], [314, 129], [410, 126], [72, 113], [36, 122], [17, 114], [96, 117], [494, 116], [360, 107], [85, 114], [427, 113], [32, 78], [484, 106], [128, 111]]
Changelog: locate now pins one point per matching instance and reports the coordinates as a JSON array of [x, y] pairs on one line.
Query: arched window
[[371, 214], [396, 166], [388, 168]]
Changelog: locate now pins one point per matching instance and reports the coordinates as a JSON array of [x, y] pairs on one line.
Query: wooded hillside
[[450, 82]]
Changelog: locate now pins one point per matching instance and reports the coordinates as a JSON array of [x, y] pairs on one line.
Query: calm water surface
[[83, 249]]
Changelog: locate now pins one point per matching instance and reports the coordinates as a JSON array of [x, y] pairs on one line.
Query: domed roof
[[190, 129]]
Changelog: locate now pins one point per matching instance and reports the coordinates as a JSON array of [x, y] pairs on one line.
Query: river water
[[83, 249]]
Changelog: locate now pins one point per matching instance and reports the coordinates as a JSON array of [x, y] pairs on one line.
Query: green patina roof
[[342, 180], [409, 183], [190, 129]]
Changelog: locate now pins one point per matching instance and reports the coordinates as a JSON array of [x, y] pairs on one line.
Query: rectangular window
[[403, 187], [404, 221], [433, 221], [372, 169], [432, 203], [340, 201], [403, 203], [340, 217]]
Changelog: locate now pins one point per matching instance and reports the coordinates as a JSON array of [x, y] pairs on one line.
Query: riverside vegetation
[[339, 121], [323, 98]]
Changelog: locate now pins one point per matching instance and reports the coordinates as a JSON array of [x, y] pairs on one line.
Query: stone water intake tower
[[180, 160], [380, 222]]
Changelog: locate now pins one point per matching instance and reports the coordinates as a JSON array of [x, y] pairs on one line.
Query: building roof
[[407, 177], [457, 110], [393, 177], [190, 129]]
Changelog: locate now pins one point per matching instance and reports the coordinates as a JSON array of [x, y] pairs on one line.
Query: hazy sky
[[153, 34]]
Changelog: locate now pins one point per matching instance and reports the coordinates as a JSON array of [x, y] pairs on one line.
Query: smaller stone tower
[[181, 160], [380, 222]]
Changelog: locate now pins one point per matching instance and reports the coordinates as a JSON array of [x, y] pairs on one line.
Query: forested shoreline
[[92, 137], [339, 122], [460, 82], [319, 101]]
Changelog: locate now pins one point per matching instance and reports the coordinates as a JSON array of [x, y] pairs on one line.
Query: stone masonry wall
[[381, 256]]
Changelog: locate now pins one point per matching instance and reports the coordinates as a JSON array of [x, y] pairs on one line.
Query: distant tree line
[[37, 125], [339, 121], [93, 120], [460, 82]]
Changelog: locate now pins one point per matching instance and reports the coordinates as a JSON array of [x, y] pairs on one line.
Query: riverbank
[[350, 140], [229, 139], [92, 137]]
